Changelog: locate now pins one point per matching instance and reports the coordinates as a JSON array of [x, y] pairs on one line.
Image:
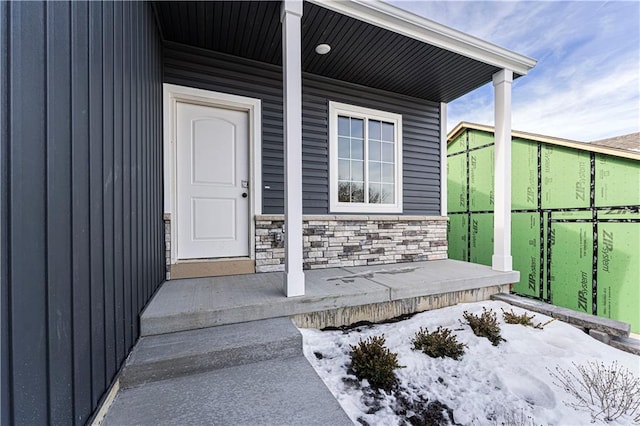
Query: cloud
[[586, 84]]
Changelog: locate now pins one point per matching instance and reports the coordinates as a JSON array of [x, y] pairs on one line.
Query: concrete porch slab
[[204, 302], [434, 277]]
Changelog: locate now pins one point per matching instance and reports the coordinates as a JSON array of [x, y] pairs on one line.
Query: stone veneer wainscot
[[335, 241]]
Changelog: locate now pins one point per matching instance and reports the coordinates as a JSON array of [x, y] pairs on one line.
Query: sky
[[586, 84]]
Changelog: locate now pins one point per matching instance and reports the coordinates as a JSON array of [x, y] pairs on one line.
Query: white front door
[[212, 177]]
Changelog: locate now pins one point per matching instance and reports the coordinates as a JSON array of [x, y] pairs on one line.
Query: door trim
[[172, 94]]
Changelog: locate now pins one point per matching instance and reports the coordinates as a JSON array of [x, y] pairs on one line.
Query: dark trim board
[[5, 294], [81, 197], [203, 69]]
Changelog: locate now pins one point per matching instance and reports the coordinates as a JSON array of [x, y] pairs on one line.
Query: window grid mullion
[[365, 153]]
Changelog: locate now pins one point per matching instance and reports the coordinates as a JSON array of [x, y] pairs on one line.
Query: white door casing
[[205, 178], [212, 180]]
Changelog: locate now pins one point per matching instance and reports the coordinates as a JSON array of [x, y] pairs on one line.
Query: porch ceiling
[[361, 53]]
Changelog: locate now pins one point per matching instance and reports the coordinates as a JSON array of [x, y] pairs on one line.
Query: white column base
[[294, 283], [502, 263]]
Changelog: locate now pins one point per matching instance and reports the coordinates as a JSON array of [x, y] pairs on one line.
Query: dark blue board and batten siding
[[203, 69], [81, 197]]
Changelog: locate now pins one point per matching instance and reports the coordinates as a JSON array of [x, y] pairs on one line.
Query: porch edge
[[376, 312]]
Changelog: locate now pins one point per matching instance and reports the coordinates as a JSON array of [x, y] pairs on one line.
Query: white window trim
[[337, 108]]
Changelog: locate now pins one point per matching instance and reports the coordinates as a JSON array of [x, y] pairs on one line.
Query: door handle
[[245, 195]]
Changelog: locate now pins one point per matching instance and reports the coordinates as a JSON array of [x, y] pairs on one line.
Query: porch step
[[184, 353]]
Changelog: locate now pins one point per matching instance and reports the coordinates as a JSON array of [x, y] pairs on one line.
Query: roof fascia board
[[394, 19], [544, 139]]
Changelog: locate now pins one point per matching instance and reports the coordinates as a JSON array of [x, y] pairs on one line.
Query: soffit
[[361, 53]]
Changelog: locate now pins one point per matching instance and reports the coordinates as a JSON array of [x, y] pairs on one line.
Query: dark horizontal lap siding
[[188, 66], [421, 142], [81, 194], [202, 69]]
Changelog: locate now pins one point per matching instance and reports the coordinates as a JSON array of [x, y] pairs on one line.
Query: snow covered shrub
[[485, 325], [373, 361], [607, 392], [438, 344], [524, 319]]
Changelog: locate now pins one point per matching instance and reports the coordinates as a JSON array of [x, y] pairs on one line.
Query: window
[[365, 160]]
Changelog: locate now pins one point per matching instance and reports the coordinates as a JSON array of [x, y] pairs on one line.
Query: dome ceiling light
[[323, 49]]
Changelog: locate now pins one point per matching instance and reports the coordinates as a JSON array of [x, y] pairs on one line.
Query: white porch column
[[291, 14], [501, 260]]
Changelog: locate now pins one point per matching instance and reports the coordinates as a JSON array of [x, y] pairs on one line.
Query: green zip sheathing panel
[[573, 215], [458, 237], [459, 144], [617, 181], [526, 252], [524, 180], [457, 184], [479, 138], [565, 177], [618, 214], [618, 292], [567, 204], [481, 247], [572, 266], [481, 182]]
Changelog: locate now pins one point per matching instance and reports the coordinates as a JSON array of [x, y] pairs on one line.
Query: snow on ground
[[487, 385]]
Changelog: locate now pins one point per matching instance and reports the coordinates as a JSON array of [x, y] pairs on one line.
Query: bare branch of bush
[[607, 392], [513, 417], [518, 418]]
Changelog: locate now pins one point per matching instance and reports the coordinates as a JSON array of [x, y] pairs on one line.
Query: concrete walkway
[[277, 392], [242, 374]]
